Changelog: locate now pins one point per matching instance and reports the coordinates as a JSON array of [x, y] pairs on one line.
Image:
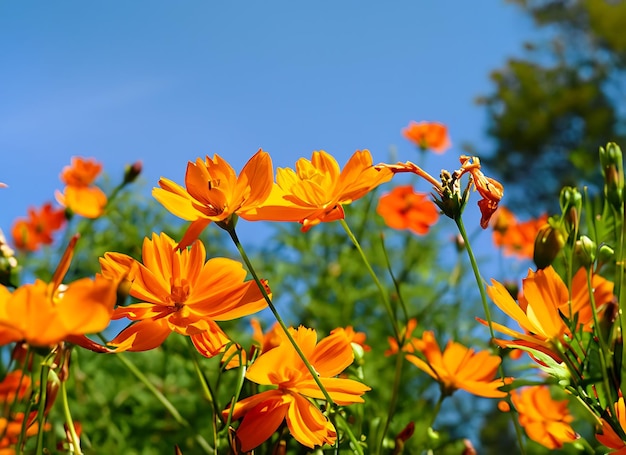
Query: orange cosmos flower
[[405, 208], [37, 229], [14, 384], [459, 367], [291, 400], [514, 237], [545, 298], [180, 292], [609, 437], [355, 338], [411, 343], [428, 135], [317, 189], [213, 192], [80, 195], [44, 314], [11, 429], [545, 420]]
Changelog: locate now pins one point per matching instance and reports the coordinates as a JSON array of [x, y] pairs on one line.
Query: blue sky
[[166, 82]]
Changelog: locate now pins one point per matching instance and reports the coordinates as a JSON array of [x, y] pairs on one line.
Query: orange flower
[[80, 195], [236, 356], [355, 338], [180, 292], [317, 189], [44, 314], [490, 189], [291, 400], [37, 229], [514, 237], [545, 420], [545, 298], [11, 429], [14, 384], [459, 367], [410, 344], [428, 135], [608, 436], [213, 192], [404, 208]]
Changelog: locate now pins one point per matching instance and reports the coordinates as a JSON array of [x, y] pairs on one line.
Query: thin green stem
[[43, 381], [396, 284], [74, 439], [383, 292], [164, 401], [394, 398], [272, 307]]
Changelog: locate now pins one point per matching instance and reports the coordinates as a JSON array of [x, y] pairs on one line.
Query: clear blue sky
[[165, 82]]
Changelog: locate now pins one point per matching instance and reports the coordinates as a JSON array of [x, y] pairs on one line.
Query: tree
[[549, 111]]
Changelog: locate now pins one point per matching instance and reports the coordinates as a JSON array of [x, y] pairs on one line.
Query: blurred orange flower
[[608, 436], [355, 338], [213, 192], [180, 292], [459, 367], [428, 135], [410, 344], [514, 237], [292, 399], [80, 195], [15, 384], [545, 420], [37, 229], [11, 429], [545, 298], [404, 208], [44, 314], [317, 189]]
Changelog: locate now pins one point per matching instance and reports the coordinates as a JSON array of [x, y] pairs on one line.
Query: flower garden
[[142, 326]]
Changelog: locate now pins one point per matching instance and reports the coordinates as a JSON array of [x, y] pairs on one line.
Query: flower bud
[[132, 171], [571, 202], [548, 244], [585, 250], [613, 171]]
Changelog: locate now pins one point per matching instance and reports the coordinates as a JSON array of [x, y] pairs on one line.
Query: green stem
[[382, 291], [43, 381], [74, 439], [164, 401], [396, 284], [244, 256]]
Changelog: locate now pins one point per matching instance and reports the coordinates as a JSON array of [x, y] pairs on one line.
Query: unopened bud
[[605, 254], [132, 171], [548, 244], [611, 160], [585, 250], [571, 202]]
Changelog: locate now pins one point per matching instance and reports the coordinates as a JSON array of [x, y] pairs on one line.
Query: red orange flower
[[37, 229], [545, 420], [11, 429], [490, 189], [608, 436], [80, 195], [291, 399], [213, 192], [459, 367], [428, 135], [545, 298], [180, 292], [15, 384], [404, 208], [515, 237], [44, 314], [316, 191]]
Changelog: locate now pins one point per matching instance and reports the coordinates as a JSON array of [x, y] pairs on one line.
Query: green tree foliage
[[548, 110]]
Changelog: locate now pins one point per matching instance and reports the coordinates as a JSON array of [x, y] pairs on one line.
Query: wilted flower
[[404, 208], [180, 292], [294, 392], [428, 135], [80, 195], [317, 190], [213, 192], [459, 367]]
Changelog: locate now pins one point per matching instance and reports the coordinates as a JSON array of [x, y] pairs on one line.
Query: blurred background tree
[[550, 110]]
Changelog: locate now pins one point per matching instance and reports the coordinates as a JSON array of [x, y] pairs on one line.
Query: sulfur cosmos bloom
[[428, 135], [37, 228], [294, 390], [80, 195], [317, 190], [44, 314], [180, 292], [542, 305], [609, 437], [404, 208], [459, 367], [545, 420], [516, 238], [213, 192]]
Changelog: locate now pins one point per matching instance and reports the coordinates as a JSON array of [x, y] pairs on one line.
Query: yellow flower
[[180, 292], [213, 192], [316, 191], [459, 367], [291, 399]]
